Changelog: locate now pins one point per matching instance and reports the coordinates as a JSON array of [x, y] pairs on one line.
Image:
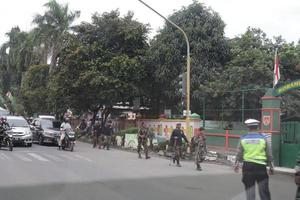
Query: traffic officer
[[176, 142], [143, 140], [255, 152]]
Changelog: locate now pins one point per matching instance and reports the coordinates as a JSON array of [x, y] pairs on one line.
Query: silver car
[[20, 130]]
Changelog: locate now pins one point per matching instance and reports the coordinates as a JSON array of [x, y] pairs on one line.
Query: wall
[[164, 127]]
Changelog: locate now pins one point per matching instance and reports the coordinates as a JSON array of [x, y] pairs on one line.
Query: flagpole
[[276, 72]]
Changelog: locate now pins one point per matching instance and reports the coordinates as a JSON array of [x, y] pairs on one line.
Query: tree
[[34, 90], [51, 27], [101, 64], [166, 58]]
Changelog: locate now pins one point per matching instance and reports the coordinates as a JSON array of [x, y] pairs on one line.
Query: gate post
[[270, 118]]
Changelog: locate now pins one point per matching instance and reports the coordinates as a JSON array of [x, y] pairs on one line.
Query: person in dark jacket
[[108, 132], [97, 129], [176, 142]]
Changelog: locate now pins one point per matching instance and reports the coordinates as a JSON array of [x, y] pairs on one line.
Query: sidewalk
[[228, 156]]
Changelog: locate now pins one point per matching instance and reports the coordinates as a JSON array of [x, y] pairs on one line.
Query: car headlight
[[48, 134], [29, 133]]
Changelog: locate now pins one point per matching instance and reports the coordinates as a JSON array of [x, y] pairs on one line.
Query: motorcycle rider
[[65, 127]]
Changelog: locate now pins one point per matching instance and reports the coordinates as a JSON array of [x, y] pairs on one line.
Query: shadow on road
[[204, 187]]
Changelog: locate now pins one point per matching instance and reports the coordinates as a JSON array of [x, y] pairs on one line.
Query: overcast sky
[[272, 16]]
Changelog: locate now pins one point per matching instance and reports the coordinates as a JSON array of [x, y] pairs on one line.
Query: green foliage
[[51, 29], [34, 90], [166, 58], [100, 65], [127, 131]]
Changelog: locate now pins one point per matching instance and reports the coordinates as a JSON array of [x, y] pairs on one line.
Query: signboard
[[184, 113], [287, 87], [131, 141], [131, 116], [266, 120]]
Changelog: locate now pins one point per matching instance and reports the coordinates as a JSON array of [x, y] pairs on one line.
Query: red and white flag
[[276, 70]]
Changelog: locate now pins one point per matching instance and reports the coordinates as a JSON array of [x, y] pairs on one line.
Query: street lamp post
[[188, 66]]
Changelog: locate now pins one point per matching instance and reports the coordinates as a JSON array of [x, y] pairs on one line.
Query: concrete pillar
[[270, 121]]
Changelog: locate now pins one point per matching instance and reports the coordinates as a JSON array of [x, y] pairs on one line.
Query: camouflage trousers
[[200, 154], [142, 142]]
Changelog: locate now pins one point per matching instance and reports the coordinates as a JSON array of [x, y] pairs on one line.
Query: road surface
[[44, 173]]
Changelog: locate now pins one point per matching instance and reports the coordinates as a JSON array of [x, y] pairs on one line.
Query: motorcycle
[[5, 139], [69, 141]]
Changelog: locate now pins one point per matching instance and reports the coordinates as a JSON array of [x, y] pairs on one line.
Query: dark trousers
[[298, 193], [256, 173]]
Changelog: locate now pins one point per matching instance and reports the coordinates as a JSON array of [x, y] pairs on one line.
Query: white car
[[49, 117], [20, 130]]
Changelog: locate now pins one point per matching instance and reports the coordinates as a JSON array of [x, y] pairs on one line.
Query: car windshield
[[17, 122], [49, 123]]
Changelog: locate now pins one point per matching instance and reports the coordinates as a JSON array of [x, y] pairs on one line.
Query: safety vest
[[254, 148]]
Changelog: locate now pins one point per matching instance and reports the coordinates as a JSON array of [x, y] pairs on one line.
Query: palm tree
[[51, 28]]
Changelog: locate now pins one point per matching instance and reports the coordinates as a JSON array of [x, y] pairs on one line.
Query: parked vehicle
[[45, 130], [19, 130], [49, 117], [5, 138]]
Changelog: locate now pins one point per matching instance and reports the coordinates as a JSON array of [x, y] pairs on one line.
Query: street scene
[[42, 172], [140, 99]]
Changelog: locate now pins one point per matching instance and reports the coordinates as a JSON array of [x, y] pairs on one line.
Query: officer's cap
[[252, 122]]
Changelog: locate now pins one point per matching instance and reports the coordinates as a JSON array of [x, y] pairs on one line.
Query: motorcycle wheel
[[72, 146], [41, 141], [10, 145]]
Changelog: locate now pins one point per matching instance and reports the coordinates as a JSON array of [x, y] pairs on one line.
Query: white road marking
[[55, 158], [23, 158], [38, 157], [82, 157], [69, 157], [4, 156]]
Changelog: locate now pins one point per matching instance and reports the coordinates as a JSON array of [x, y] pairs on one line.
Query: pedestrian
[[108, 132], [297, 177], [176, 143], [200, 148], [151, 137], [255, 152], [82, 128], [143, 140], [97, 129]]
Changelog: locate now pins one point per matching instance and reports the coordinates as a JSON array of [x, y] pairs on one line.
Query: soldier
[[201, 150], [143, 140], [255, 152], [176, 142], [97, 134], [108, 132]]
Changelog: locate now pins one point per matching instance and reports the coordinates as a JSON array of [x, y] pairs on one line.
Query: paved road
[[43, 172]]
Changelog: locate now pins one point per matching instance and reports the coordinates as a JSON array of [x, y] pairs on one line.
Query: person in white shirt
[[64, 128]]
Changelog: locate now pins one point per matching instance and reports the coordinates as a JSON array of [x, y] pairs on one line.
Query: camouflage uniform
[[200, 150], [142, 141]]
